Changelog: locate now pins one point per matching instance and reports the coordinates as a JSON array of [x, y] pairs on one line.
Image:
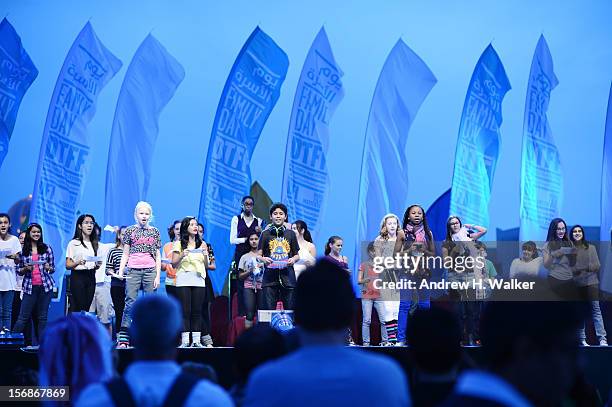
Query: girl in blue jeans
[[36, 264], [141, 255], [586, 278]]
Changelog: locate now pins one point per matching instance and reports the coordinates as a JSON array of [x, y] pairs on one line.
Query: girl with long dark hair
[[308, 251], [36, 264], [586, 278], [333, 250], [417, 241], [190, 257], [559, 256], [81, 258], [458, 245]]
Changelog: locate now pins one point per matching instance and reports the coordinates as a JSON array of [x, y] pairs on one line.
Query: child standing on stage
[[333, 248], [459, 243], [190, 257], [386, 245], [559, 255], [36, 264], [418, 241], [250, 271], [586, 278], [141, 244], [278, 250], [9, 251], [81, 250], [370, 296]]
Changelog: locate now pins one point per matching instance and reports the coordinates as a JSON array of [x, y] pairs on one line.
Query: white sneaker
[[584, 343], [184, 340], [195, 342], [603, 341], [400, 343]]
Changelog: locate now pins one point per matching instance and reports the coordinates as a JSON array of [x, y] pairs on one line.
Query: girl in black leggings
[[82, 258], [189, 258]]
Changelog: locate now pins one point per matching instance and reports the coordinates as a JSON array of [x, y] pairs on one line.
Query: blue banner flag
[[150, 82], [64, 150], [318, 93], [437, 215], [541, 176], [249, 95], [17, 72], [403, 84], [478, 141]]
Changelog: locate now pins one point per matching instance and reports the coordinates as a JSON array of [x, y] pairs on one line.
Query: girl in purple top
[[332, 253]]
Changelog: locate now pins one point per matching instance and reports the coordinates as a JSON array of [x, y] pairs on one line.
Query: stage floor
[[597, 361]]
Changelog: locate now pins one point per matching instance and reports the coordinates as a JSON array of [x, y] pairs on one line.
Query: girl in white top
[[190, 258], [308, 251], [82, 258], [9, 248], [529, 264]]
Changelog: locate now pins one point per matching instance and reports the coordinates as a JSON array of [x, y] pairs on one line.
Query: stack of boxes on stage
[[9, 340]]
